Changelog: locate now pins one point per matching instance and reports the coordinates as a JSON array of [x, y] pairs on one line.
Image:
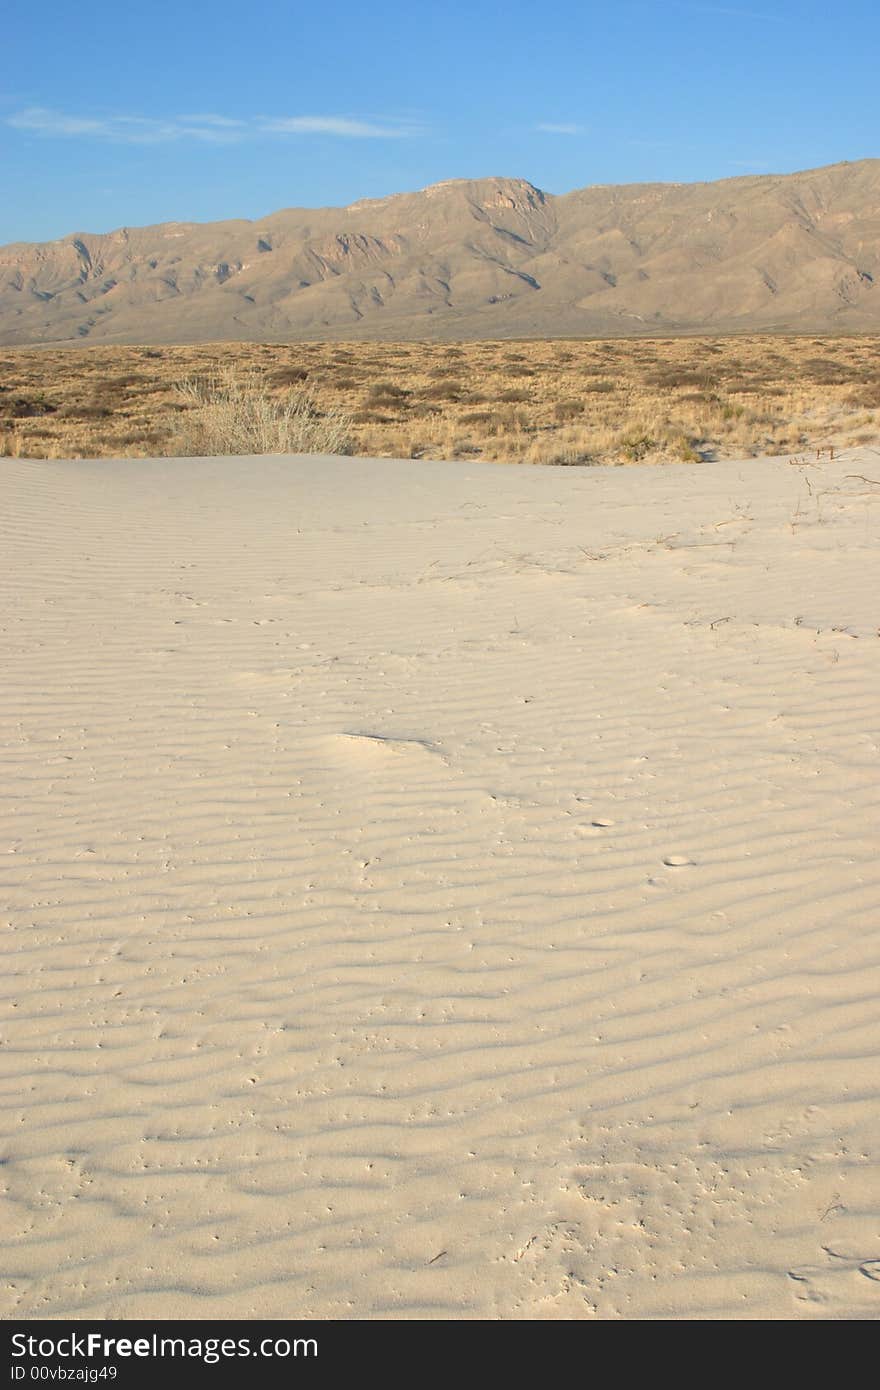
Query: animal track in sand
[[663, 1216], [838, 1283]]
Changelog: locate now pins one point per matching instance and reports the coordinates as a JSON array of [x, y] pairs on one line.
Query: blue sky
[[112, 116]]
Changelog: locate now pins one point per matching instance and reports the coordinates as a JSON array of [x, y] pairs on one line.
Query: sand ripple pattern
[[432, 890]]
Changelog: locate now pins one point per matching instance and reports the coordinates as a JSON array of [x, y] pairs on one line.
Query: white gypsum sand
[[440, 890]]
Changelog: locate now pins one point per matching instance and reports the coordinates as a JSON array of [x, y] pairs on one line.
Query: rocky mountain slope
[[483, 258]]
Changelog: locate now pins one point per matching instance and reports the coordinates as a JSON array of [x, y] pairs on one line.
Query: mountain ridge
[[474, 258]]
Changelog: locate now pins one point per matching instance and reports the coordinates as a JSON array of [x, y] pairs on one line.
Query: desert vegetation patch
[[535, 401]]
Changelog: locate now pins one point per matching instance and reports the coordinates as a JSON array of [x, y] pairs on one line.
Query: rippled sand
[[440, 890]]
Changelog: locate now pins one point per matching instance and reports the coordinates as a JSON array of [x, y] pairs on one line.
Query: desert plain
[[439, 889], [537, 401]]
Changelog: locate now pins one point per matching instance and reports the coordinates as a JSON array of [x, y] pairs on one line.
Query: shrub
[[289, 376], [677, 378], [684, 450], [387, 393], [867, 396], [27, 407], [477, 417], [637, 445], [444, 391], [232, 414]]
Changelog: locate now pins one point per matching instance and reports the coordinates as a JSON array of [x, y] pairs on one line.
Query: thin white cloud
[[128, 130], [560, 128], [54, 122], [335, 125], [210, 127], [210, 119]]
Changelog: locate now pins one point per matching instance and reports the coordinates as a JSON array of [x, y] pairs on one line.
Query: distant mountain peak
[[474, 258]]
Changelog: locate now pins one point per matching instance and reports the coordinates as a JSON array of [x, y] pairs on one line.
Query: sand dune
[[440, 890]]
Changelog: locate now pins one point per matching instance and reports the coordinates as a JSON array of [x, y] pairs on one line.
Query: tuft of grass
[[684, 451], [637, 446], [11, 444], [563, 411], [236, 414]]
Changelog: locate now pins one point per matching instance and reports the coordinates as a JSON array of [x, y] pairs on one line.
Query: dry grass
[[238, 413], [558, 402]]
